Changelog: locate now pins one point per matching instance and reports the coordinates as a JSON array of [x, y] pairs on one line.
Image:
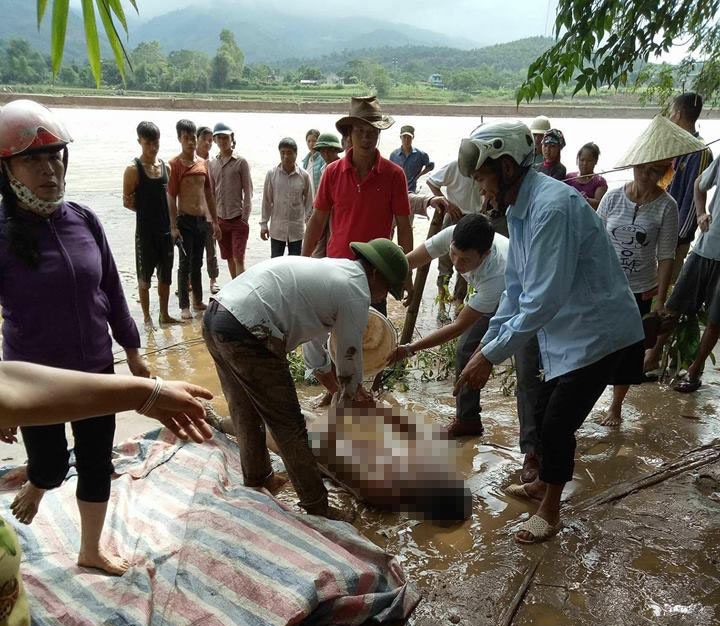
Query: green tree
[[227, 64], [602, 42], [20, 63], [310, 73]]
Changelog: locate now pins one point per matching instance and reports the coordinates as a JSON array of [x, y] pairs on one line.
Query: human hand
[[454, 212], [264, 234], [217, 233], [440, 202], [476, 373], [179, 410], [400, 354], [407, 299], [138, 365], [704, 222], [174, 233], [9, 435]]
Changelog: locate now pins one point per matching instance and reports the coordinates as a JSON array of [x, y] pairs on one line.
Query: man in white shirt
[[287, 202], [480, 256], [267, 312], [464, 198]]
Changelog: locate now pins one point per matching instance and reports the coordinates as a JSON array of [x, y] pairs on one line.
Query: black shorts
[[154, 252], [697, 285], [629, 368]]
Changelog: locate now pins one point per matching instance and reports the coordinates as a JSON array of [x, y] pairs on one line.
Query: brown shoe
[[465, 428], [530, 469]]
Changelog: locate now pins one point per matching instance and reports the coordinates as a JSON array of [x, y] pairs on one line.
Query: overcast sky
[[484, 21]]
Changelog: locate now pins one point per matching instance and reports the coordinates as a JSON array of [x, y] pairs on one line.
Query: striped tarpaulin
[[204, 550]]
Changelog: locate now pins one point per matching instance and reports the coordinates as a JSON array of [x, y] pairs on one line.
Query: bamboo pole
[[418, 289]]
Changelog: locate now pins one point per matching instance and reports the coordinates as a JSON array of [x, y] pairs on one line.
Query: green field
[[419, 93]]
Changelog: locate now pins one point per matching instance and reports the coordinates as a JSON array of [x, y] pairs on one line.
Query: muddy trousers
[[211, 254], [48, 455], [261, 394], [563, 404], [467, 402], [193, 229], [527, 370]]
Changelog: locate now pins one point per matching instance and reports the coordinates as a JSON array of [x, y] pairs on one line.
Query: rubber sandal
[[539, 529], [519, 491], [689, 385]]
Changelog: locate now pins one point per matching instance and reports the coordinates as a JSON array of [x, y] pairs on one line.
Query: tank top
[[151, 205]]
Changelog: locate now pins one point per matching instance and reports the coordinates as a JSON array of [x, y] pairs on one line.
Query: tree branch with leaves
[[108, 10], [600, 43]]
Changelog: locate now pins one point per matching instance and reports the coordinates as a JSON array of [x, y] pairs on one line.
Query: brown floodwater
[[653, 556]]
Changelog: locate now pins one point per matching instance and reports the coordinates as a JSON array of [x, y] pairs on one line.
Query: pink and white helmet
[[26, 125]]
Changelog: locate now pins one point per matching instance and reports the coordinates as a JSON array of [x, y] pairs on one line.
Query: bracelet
[[152, 398]]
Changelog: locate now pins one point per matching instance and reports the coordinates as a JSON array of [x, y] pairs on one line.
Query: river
[[468, 572]]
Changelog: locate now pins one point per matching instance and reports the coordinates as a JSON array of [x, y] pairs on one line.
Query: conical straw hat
[[660, 141], [379, 341]]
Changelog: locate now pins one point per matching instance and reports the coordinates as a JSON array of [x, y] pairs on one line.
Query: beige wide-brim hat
[[660, 141], [379, 342], [365, 109]]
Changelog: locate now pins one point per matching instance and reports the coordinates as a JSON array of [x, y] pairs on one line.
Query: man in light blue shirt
[[416, 163], [564, 285]]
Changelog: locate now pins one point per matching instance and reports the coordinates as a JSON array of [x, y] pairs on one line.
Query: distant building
[[436, 80], [308, 83]]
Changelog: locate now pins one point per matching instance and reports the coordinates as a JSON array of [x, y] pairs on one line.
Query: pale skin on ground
[[32, 395], [642, 190], [192, 199], [224, 143], [364, 138], [152, 168]]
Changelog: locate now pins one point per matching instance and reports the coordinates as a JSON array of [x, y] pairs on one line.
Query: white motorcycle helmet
[[492, 141]]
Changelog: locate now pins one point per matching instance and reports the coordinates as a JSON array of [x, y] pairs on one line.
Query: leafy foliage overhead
[[108, 10], [601, 42]]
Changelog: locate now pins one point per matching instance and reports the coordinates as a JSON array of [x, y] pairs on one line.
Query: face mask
[[28, 200]]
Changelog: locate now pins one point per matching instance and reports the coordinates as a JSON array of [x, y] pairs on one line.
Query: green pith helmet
[[389, 259], [328, 140]]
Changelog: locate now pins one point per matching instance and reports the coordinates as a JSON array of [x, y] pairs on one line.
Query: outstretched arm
[[32, 395]]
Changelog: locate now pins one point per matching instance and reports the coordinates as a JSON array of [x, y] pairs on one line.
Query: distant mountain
[[267, 36], [425, 60]]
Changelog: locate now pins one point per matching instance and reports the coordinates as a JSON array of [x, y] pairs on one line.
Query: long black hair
[[21, 237]]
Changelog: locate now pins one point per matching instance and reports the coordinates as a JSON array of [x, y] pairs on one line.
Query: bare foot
[[339, 515], [26, 503], [167, 319], [185, 314], [651, 362], [148, 323], [110, 563], [275, 483], [325, 400], [199, 306], [613, 417]]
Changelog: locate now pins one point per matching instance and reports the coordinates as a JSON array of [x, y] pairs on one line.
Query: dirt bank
[[462, 110]]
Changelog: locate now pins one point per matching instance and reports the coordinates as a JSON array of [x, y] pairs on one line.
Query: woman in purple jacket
[[59, 292]]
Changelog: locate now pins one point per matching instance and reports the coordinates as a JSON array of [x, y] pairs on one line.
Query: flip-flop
[[689, 385], [519, 491], [539, 529]]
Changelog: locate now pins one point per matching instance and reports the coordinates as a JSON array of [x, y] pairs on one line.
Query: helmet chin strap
[[28, 199]]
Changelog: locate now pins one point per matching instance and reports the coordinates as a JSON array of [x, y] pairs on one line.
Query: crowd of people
[[573, 280]]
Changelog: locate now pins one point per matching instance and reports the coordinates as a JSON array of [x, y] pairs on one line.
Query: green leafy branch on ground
[[682, 346]]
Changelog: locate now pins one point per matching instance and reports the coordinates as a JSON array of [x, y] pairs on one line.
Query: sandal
[[519, 491], [539, 529], [689, 385]]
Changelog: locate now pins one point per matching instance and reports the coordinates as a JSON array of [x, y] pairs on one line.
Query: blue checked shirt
[[563, 283], [413, 164]]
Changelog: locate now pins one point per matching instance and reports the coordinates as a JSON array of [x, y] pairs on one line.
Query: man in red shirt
[[362, 191]]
